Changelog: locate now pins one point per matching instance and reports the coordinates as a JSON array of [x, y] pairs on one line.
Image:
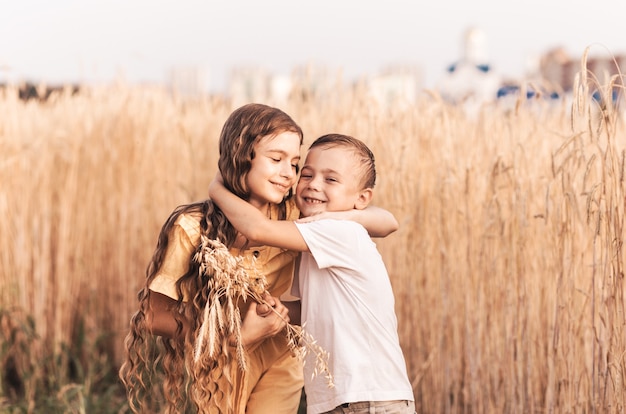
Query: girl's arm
[[253, 224], [257, 228], [377, 221], [256, 326], [160, 319]]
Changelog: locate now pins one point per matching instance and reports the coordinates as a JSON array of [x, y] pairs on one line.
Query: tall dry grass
[[507, 268]]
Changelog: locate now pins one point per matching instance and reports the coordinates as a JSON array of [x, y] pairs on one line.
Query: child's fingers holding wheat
[[266, 305], [255, 327]]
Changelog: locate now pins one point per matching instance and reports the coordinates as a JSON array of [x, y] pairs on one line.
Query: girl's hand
[[264, 309], [217, 182], [255, 328]]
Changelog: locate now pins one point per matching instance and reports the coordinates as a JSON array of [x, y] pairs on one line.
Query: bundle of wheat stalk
[[232, 281]]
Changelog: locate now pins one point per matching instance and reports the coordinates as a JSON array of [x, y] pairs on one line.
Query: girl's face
[[273, 170]]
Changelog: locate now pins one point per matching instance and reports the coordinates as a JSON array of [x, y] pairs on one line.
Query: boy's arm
[[377, 221], [253, 224]]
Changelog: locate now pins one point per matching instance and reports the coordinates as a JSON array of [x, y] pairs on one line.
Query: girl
[[259, 154]]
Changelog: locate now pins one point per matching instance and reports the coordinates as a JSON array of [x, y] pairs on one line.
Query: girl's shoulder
[[290, 209], [293, 213], [190, 223]]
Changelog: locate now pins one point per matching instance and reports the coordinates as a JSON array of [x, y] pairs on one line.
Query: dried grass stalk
[[232, 281]]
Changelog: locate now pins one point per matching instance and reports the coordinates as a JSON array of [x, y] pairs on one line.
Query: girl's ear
[[365, 196]]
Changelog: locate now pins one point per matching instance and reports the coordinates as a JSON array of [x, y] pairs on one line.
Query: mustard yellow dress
[[273, 380]]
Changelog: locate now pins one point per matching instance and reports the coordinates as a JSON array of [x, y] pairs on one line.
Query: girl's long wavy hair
[[157, 370]]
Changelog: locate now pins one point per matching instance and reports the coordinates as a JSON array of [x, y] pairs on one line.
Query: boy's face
[[329, 181]]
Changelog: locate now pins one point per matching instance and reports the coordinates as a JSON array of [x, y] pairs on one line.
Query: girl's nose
[[288, 171]]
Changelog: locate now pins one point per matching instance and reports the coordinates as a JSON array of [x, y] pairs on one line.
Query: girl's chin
[[277, 199]]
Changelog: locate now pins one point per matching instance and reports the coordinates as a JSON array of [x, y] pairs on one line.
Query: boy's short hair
[[361, 151]]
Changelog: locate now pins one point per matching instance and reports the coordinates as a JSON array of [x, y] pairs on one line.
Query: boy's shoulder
[[335, 226]]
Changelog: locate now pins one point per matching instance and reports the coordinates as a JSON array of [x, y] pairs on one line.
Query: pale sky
[[95, 40]]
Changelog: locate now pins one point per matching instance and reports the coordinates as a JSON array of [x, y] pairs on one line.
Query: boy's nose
[[314, 183]]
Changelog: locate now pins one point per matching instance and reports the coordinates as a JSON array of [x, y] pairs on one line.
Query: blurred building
[[559, 69], [470, 80], [189, 82], [249, 84], [255, 84], [399, 85]]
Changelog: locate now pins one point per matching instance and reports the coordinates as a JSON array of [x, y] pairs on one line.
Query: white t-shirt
[[348, 308]]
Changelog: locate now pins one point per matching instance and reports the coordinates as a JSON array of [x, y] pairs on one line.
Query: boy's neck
[[331, 211]]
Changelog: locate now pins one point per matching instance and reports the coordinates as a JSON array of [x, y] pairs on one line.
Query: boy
[[346, 297]]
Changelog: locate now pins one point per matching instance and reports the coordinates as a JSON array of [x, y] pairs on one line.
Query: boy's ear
[[365, 196]]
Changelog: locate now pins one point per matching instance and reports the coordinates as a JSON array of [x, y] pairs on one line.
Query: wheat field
[[507, 268]]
